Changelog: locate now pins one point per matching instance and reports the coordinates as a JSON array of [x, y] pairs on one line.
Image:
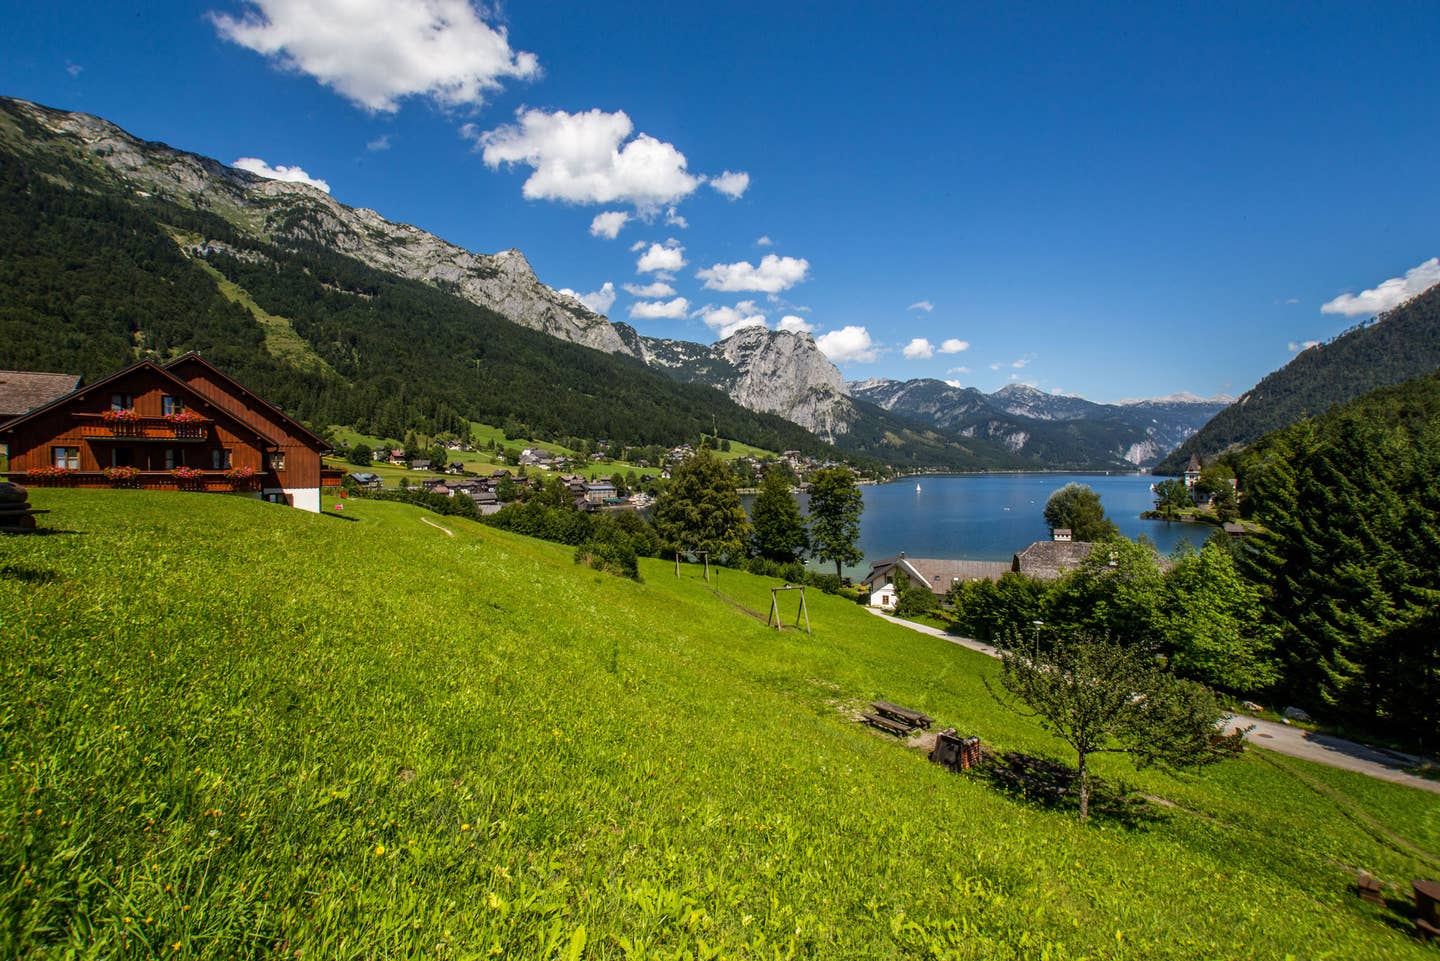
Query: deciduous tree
[[835, 509], [1078, 508], [700, 509], [1100, 696], [779, 528]]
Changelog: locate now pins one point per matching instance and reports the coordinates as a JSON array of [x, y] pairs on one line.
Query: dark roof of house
[[291, 424], [1193, 464], [938, 575], [1049, 560], [193, 399], [22, 390]]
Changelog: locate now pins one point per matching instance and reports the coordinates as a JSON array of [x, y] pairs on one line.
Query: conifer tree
[[779, 529]]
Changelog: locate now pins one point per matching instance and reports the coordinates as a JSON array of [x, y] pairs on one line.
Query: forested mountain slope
[[1395, 347], [1349, 503]]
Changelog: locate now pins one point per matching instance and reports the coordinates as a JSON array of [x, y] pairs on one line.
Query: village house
[[1051, 560], [367, 479], [939, 576], [181, 426]]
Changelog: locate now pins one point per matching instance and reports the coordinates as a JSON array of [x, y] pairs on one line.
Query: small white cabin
[[885, 597]]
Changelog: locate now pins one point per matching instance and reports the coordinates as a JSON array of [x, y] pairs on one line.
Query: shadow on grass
[[39, 532], [1054, 786], [340, 517], [26, 575]]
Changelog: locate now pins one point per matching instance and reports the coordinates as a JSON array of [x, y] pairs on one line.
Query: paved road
[[1281, 738]]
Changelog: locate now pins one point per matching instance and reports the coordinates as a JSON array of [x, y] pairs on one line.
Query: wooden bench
[[1427, 908], [889, 725], [904, 715], [1367, 886]]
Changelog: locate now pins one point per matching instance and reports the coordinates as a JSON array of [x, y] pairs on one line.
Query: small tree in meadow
[[835, 508], [1102, 697], [361, 455]]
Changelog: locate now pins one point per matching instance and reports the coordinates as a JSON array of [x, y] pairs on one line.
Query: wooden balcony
[[96, 427]]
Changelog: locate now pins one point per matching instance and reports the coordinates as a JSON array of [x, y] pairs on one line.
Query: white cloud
[[638, 246], [727, 320], [954, 383], [650, 291], [666, 256], [954, 346], [795, 325], [676, 309], [73, 69], [381, 142], [1303, 345], [764, 241], [599, 301], [1022, 362], [589, 158], [848, 345], [924, 305], [731, 184], [772, 276], [919, 349], [1391, 293], [376, 53], [608, 224], [958, 370], [673, 218], [294, 175], [996, 366]]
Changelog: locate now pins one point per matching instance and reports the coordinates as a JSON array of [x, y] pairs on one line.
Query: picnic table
[[903, 714], [1427, 908]]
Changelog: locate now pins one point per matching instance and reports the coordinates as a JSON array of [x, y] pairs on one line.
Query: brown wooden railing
[[143, 428], [212, 481]]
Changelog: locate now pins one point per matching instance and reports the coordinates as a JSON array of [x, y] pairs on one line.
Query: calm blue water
[[989, 517]]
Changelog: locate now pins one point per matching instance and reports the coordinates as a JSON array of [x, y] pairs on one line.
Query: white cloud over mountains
[[918, 349], [924, 305], [773, 275], [954, 345], [294, 175], [1389, 294], [727, 320], [376, 53], [795, 325], [650, 291], [608, 224], [848, 345], [668, 257], [588, 158], [599, 301], [677, 309]]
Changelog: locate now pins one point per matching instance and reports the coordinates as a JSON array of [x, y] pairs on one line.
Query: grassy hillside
[[236, 730]]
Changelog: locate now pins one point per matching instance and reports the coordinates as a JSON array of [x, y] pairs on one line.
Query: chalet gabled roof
[[1193, 465], [294, 425], [25, 390], [193, 398]]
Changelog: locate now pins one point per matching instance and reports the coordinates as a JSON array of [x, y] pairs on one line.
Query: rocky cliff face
[[773, 371], [763, 370]]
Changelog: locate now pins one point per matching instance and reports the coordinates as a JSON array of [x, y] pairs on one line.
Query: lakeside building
[[185, 425]]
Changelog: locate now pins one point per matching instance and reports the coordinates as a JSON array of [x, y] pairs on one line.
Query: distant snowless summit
[[1052, 428], [1183, 397]]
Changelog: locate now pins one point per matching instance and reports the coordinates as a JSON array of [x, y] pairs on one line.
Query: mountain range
[[258, 242], [1048, 428]]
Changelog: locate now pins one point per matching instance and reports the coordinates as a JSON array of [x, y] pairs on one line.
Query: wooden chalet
[[182, 426]]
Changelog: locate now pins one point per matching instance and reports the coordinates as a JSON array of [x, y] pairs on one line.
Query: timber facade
[[181, 426]]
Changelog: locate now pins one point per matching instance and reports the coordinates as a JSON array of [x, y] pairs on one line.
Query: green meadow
[[235, 730]]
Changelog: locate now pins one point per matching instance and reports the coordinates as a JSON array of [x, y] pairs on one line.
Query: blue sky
[[1128, 202]]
